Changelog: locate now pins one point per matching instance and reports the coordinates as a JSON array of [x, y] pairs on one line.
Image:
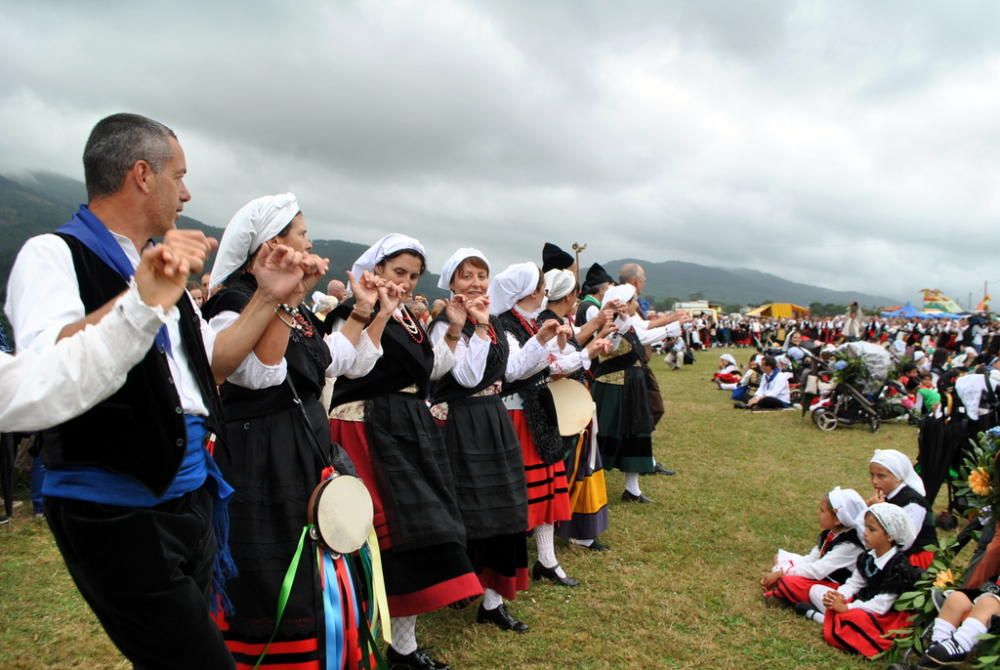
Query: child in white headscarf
[[830, 561], [895, 481], [858, 615], [728, 372]]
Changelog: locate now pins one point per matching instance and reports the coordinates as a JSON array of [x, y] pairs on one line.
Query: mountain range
[[40, 202]]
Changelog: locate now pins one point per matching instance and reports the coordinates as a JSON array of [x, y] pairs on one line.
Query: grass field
[[678, 590]]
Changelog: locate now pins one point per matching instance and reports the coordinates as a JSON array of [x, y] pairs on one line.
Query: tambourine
[[340, 514], [573, 404]]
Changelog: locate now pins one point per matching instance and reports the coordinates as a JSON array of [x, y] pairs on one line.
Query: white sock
[[491, 599], [546, 546], [581, 543], [816, 594], [404, 634], [818, 617], [632, 483], [942, 630], [968, 634]]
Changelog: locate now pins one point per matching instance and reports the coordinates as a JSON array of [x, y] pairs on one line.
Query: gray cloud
[[852, 145]]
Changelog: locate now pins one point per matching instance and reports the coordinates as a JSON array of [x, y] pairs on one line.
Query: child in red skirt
[[858, 616], [830, 561]]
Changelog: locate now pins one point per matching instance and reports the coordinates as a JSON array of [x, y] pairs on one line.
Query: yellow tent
[[780, 310]]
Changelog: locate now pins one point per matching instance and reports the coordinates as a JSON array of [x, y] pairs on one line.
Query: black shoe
[[463, 603], [418, 660], [631, 497], [539, 571], [660, 470], [739, 404], [942, 655], [597, 545], [500, 618]]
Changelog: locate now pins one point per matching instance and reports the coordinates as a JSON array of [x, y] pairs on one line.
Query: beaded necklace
[[411, 327]]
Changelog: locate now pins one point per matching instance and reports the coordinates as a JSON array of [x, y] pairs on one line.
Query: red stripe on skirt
[[351, 436], [548, 492], [795, 589], [435, 597], [861, 632], [505, 585], [307, 665], [277, 647]]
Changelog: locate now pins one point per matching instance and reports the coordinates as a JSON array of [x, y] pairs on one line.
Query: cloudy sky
[[855, 145]]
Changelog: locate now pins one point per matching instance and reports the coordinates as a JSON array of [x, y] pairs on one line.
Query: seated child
[[773, 392], [747, 386], [857, 615], [830, 561], [895, 481], [728, 371], [965, 617]]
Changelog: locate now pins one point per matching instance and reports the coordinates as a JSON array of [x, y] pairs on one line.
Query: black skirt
[[487, 467]]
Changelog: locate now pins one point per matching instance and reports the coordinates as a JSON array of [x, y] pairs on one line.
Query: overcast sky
[[850, 145]]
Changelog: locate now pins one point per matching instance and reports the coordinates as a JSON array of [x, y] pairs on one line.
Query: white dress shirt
[[47, 386], [43, 297], [814, 566], [471, 354]]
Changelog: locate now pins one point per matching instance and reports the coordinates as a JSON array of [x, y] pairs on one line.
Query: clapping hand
[[390, 295], [163, 270], [279, 272], [479, 308], [455, 310], [547, 330], [364, 289]]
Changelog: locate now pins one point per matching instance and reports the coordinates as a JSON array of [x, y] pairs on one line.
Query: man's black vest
[[140, 430]]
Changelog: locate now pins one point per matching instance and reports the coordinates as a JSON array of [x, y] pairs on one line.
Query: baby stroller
[[861, 394]]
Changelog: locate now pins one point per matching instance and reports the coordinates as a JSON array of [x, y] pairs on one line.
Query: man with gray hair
[[135, 503]]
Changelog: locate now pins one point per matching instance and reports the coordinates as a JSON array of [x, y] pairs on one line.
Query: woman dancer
[[269, 455], [384, 424]]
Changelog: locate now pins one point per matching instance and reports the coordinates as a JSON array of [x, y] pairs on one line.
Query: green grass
[[678, 590]]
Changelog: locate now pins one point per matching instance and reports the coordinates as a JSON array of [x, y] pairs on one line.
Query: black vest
[[896, 577], [405, 362], [512, 324], [447, 389], [140, 430], [850, 536], [925, 534], [581, 311]]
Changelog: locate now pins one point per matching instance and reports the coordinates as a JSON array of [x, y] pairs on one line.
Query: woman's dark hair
[[412, 252]]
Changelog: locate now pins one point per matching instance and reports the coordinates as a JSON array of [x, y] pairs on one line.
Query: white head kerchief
[[899, 465], [513, 284], [387, 246], [454, 261], [323, 302], [848, 505], [560, 283], [729, 359], [621, 292], [256, 222], [896, 522]]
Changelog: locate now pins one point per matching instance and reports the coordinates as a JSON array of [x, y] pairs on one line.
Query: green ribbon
[[286, 589]]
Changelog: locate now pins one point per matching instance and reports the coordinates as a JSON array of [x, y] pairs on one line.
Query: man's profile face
[[169, 191]]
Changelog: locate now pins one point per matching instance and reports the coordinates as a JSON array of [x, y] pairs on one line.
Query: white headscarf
[[849, 507], [323, 302], [454, 261], [622, 292], [256, 222], [387, 246], [896, 522], [560, 283], [729, 359], [899, 465], [513, 284]]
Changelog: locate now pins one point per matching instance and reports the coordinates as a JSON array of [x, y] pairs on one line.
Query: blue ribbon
[[333, 610], [94, 235]]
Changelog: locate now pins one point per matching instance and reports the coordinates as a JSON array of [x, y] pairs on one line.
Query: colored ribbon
[[286, 589], [333, 611]]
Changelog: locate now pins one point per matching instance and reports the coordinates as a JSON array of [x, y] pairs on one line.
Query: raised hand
[[279, 272], [192, 246], [479, 308], [547, 330], [598, 347], [313, 269], [389, 296], [364, 289], [563, 333], [455, 310], [161, 276]]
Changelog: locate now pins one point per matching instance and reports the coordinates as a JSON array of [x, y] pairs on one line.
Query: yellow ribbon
[[378, 584]]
